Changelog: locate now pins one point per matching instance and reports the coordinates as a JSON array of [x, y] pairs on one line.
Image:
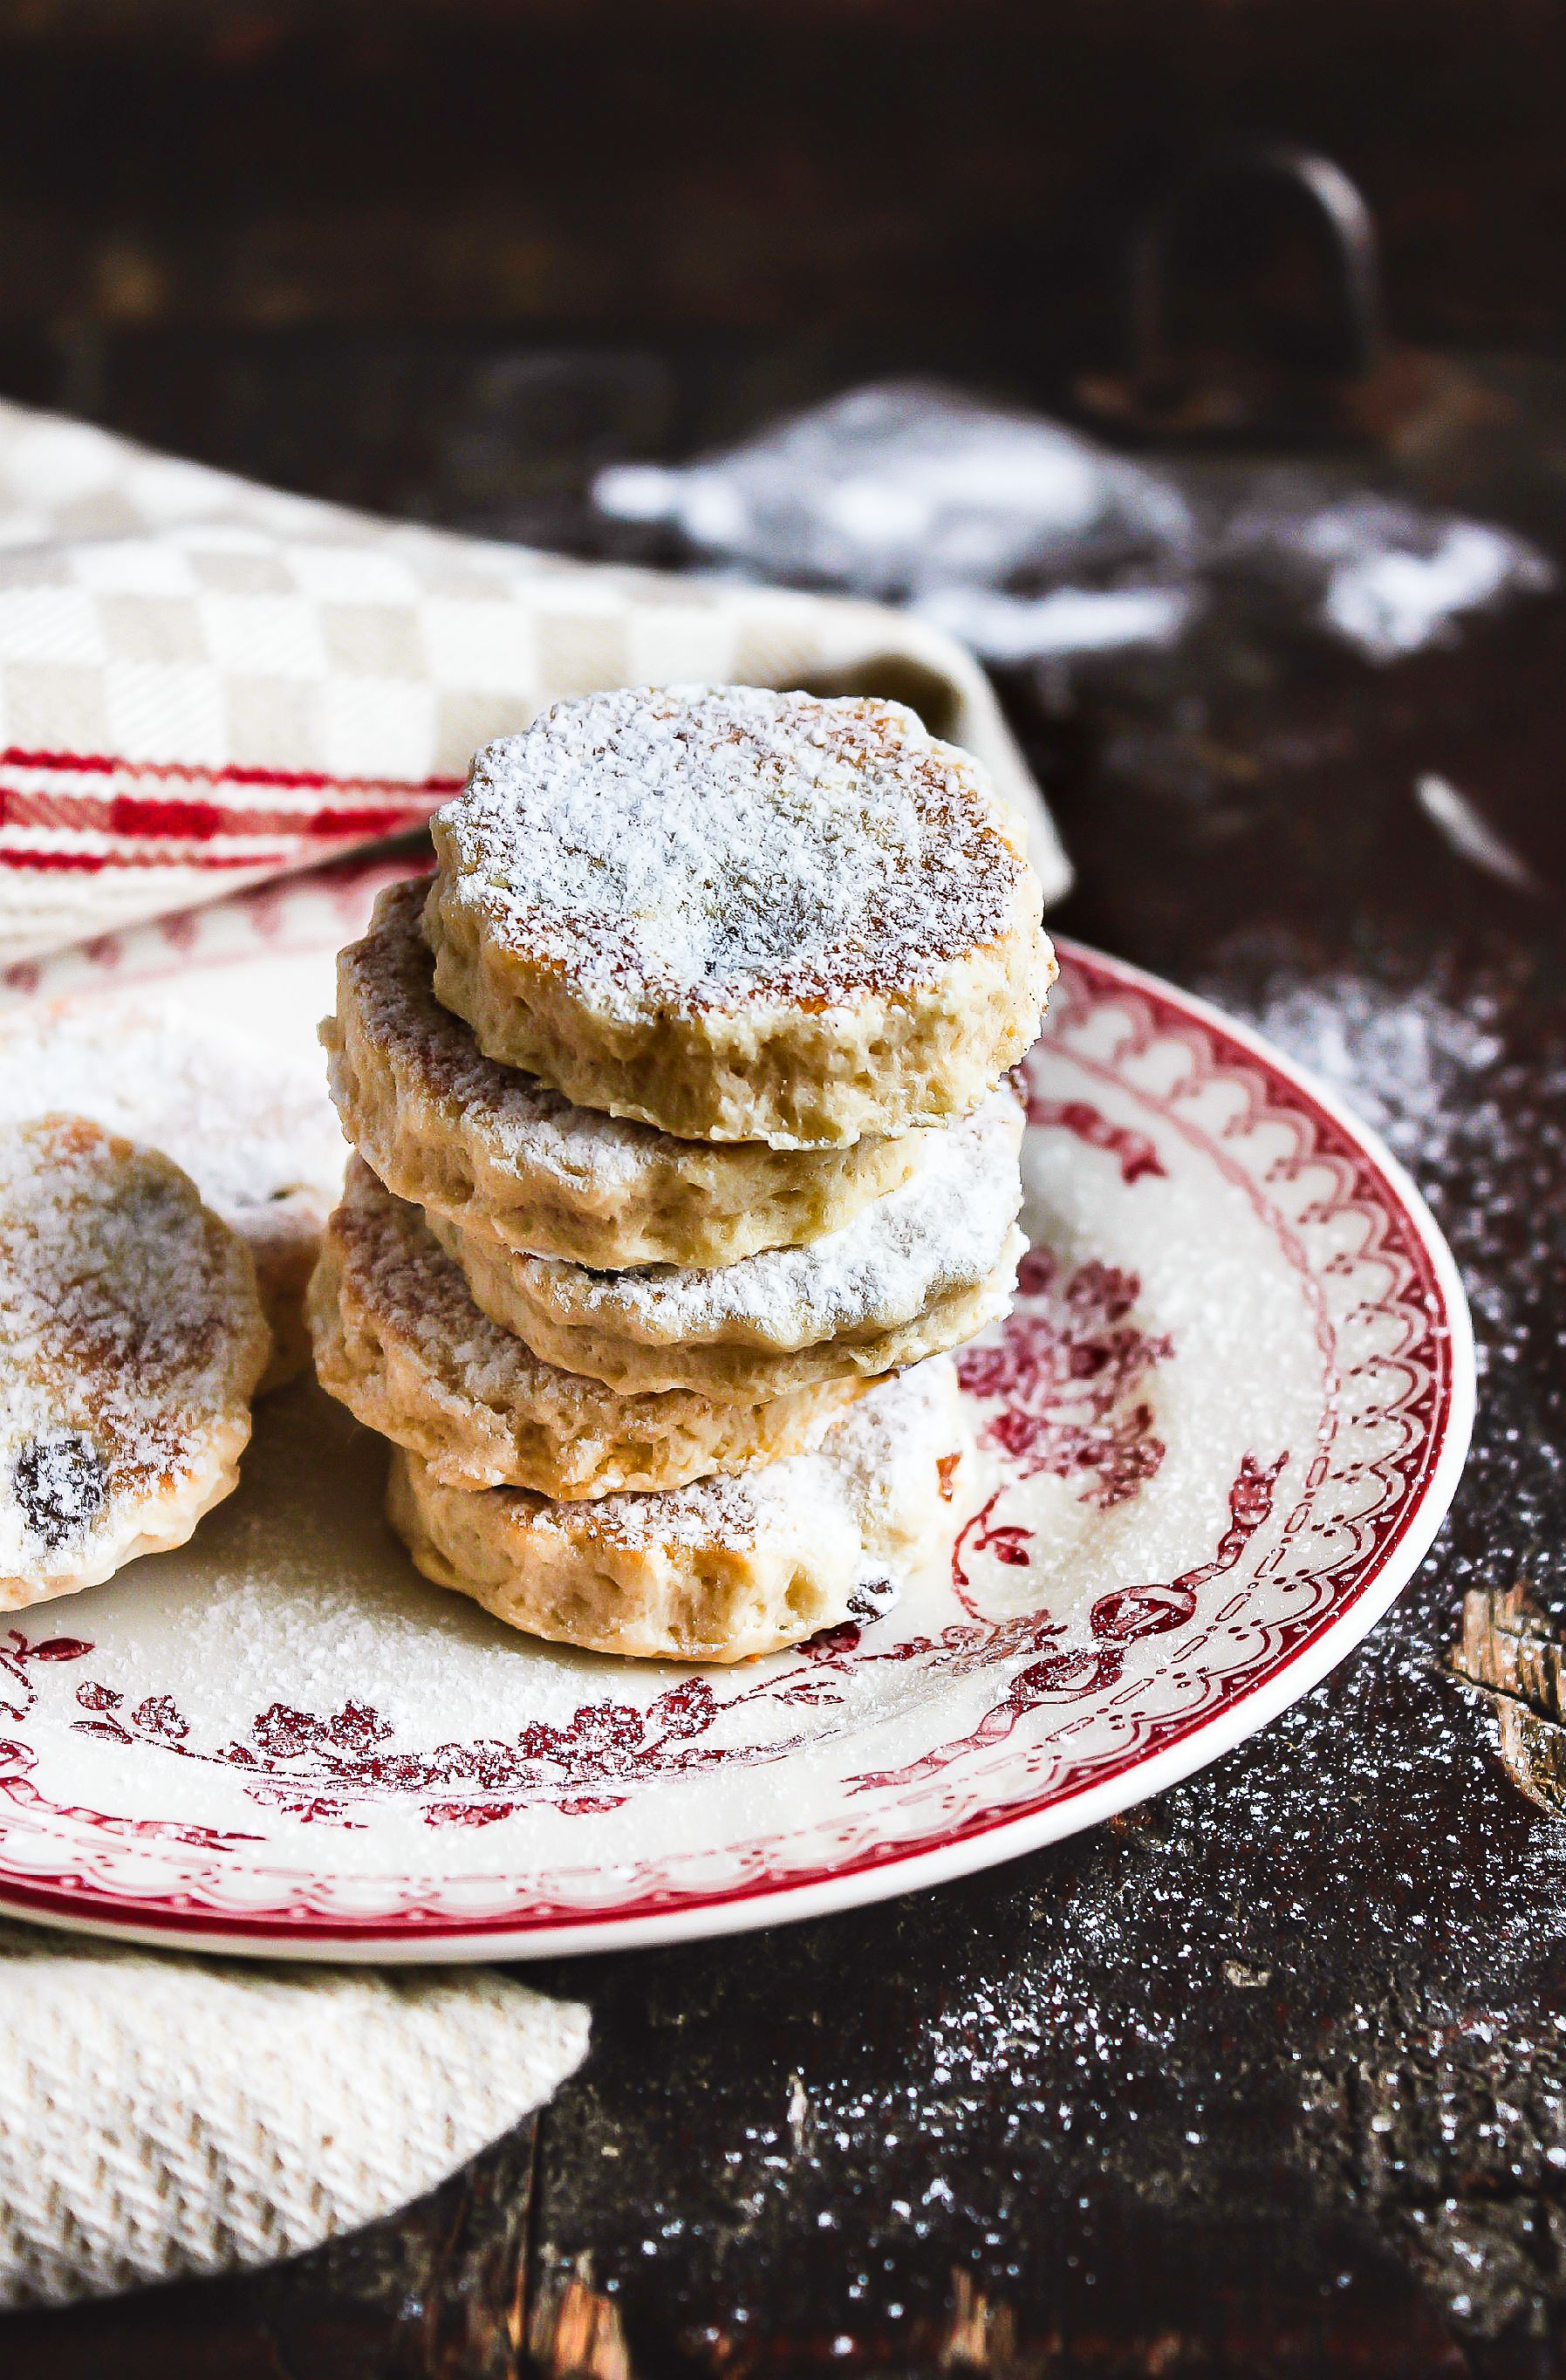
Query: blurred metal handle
[[1347, 221]]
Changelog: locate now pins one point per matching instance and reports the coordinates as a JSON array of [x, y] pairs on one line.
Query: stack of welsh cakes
[[685, 1156]]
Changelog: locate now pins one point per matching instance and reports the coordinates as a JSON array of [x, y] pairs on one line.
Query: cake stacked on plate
[[684, 1155]]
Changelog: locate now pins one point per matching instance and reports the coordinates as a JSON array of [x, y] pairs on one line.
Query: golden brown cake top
[[686, 848]]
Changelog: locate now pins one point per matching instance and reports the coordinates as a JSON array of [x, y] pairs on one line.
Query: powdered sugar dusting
[[944, 1229], [249, 1125], [685, 848]]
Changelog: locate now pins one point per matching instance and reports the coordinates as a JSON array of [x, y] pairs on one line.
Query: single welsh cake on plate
[[740, 915], [131, 1340]]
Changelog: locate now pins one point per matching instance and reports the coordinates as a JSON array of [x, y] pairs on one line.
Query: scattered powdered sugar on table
[[693, 848], [1404, 1058], [247, 1125], [943, 1230]]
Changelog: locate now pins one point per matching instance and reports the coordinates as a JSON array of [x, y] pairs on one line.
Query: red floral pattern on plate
[[1076, 1710], [1060, 1380]]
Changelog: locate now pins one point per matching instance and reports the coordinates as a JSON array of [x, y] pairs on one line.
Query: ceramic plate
[[1212, 1442]]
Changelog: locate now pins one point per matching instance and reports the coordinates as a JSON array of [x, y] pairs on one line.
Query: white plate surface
[[1216, 1438]]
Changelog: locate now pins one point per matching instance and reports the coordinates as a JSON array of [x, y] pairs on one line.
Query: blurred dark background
[[445, 255]]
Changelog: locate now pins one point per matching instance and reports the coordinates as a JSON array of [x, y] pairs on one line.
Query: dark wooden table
[[1268, 2077]]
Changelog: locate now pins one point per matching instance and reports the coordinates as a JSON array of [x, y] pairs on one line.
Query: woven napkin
[[167, 2116], [204, 682]]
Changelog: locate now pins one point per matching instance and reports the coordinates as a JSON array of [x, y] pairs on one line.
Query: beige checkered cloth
[[162, 2117], [203, 682]]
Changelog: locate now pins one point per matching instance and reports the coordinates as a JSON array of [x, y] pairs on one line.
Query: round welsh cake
[[252, 1129], [131, 1339], [720, 1572], [740, 915]]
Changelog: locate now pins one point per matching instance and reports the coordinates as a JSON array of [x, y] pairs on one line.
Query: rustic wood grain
[[576, 2334]]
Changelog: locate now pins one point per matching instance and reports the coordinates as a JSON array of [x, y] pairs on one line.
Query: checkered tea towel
[[165, 2117], [204, 682]]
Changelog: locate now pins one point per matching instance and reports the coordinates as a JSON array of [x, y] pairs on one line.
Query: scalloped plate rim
[[980, 1845]]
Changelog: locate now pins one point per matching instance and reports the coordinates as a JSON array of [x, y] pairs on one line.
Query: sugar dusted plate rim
[[315, 914]]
